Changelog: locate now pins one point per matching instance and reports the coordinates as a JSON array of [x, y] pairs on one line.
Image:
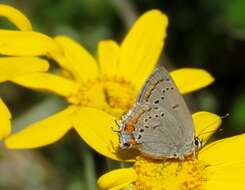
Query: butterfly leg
[[179, 167]]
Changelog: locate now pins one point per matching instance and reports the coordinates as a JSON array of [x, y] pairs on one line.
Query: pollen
[[110, 94], [169, 174]]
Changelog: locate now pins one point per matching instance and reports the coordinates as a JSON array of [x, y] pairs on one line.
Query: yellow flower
[[11, 67], [219, 165], [98, 91]]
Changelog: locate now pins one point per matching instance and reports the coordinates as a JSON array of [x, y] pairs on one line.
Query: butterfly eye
[[197, 142]]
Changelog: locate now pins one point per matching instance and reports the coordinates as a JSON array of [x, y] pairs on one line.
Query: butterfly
[[160, 124]]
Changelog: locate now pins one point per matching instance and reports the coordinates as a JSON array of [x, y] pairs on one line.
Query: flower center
[[169, 174], [113, 95]]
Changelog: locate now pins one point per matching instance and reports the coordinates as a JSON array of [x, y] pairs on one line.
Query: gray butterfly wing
[[166, 128]]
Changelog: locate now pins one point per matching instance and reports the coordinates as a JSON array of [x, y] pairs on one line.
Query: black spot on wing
[[156, 102], [139, 137], [175, 106]]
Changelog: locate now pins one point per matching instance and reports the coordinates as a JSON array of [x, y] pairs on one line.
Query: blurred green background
[[208, 34]]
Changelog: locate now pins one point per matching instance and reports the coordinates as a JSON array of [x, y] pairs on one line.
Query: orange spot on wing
[[129, 128], [133, 142]]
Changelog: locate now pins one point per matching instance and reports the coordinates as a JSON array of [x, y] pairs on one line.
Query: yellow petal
[[224, 151], [225, 163], [206, 124], [47, 82], [16, 17], [108, 57], [11, 67], [117, 179], [95, 128], [20, 43], [225, 185], [142, 47], [5, 116], [77, 59], [43, 132], [189, 79], [226, 176]]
